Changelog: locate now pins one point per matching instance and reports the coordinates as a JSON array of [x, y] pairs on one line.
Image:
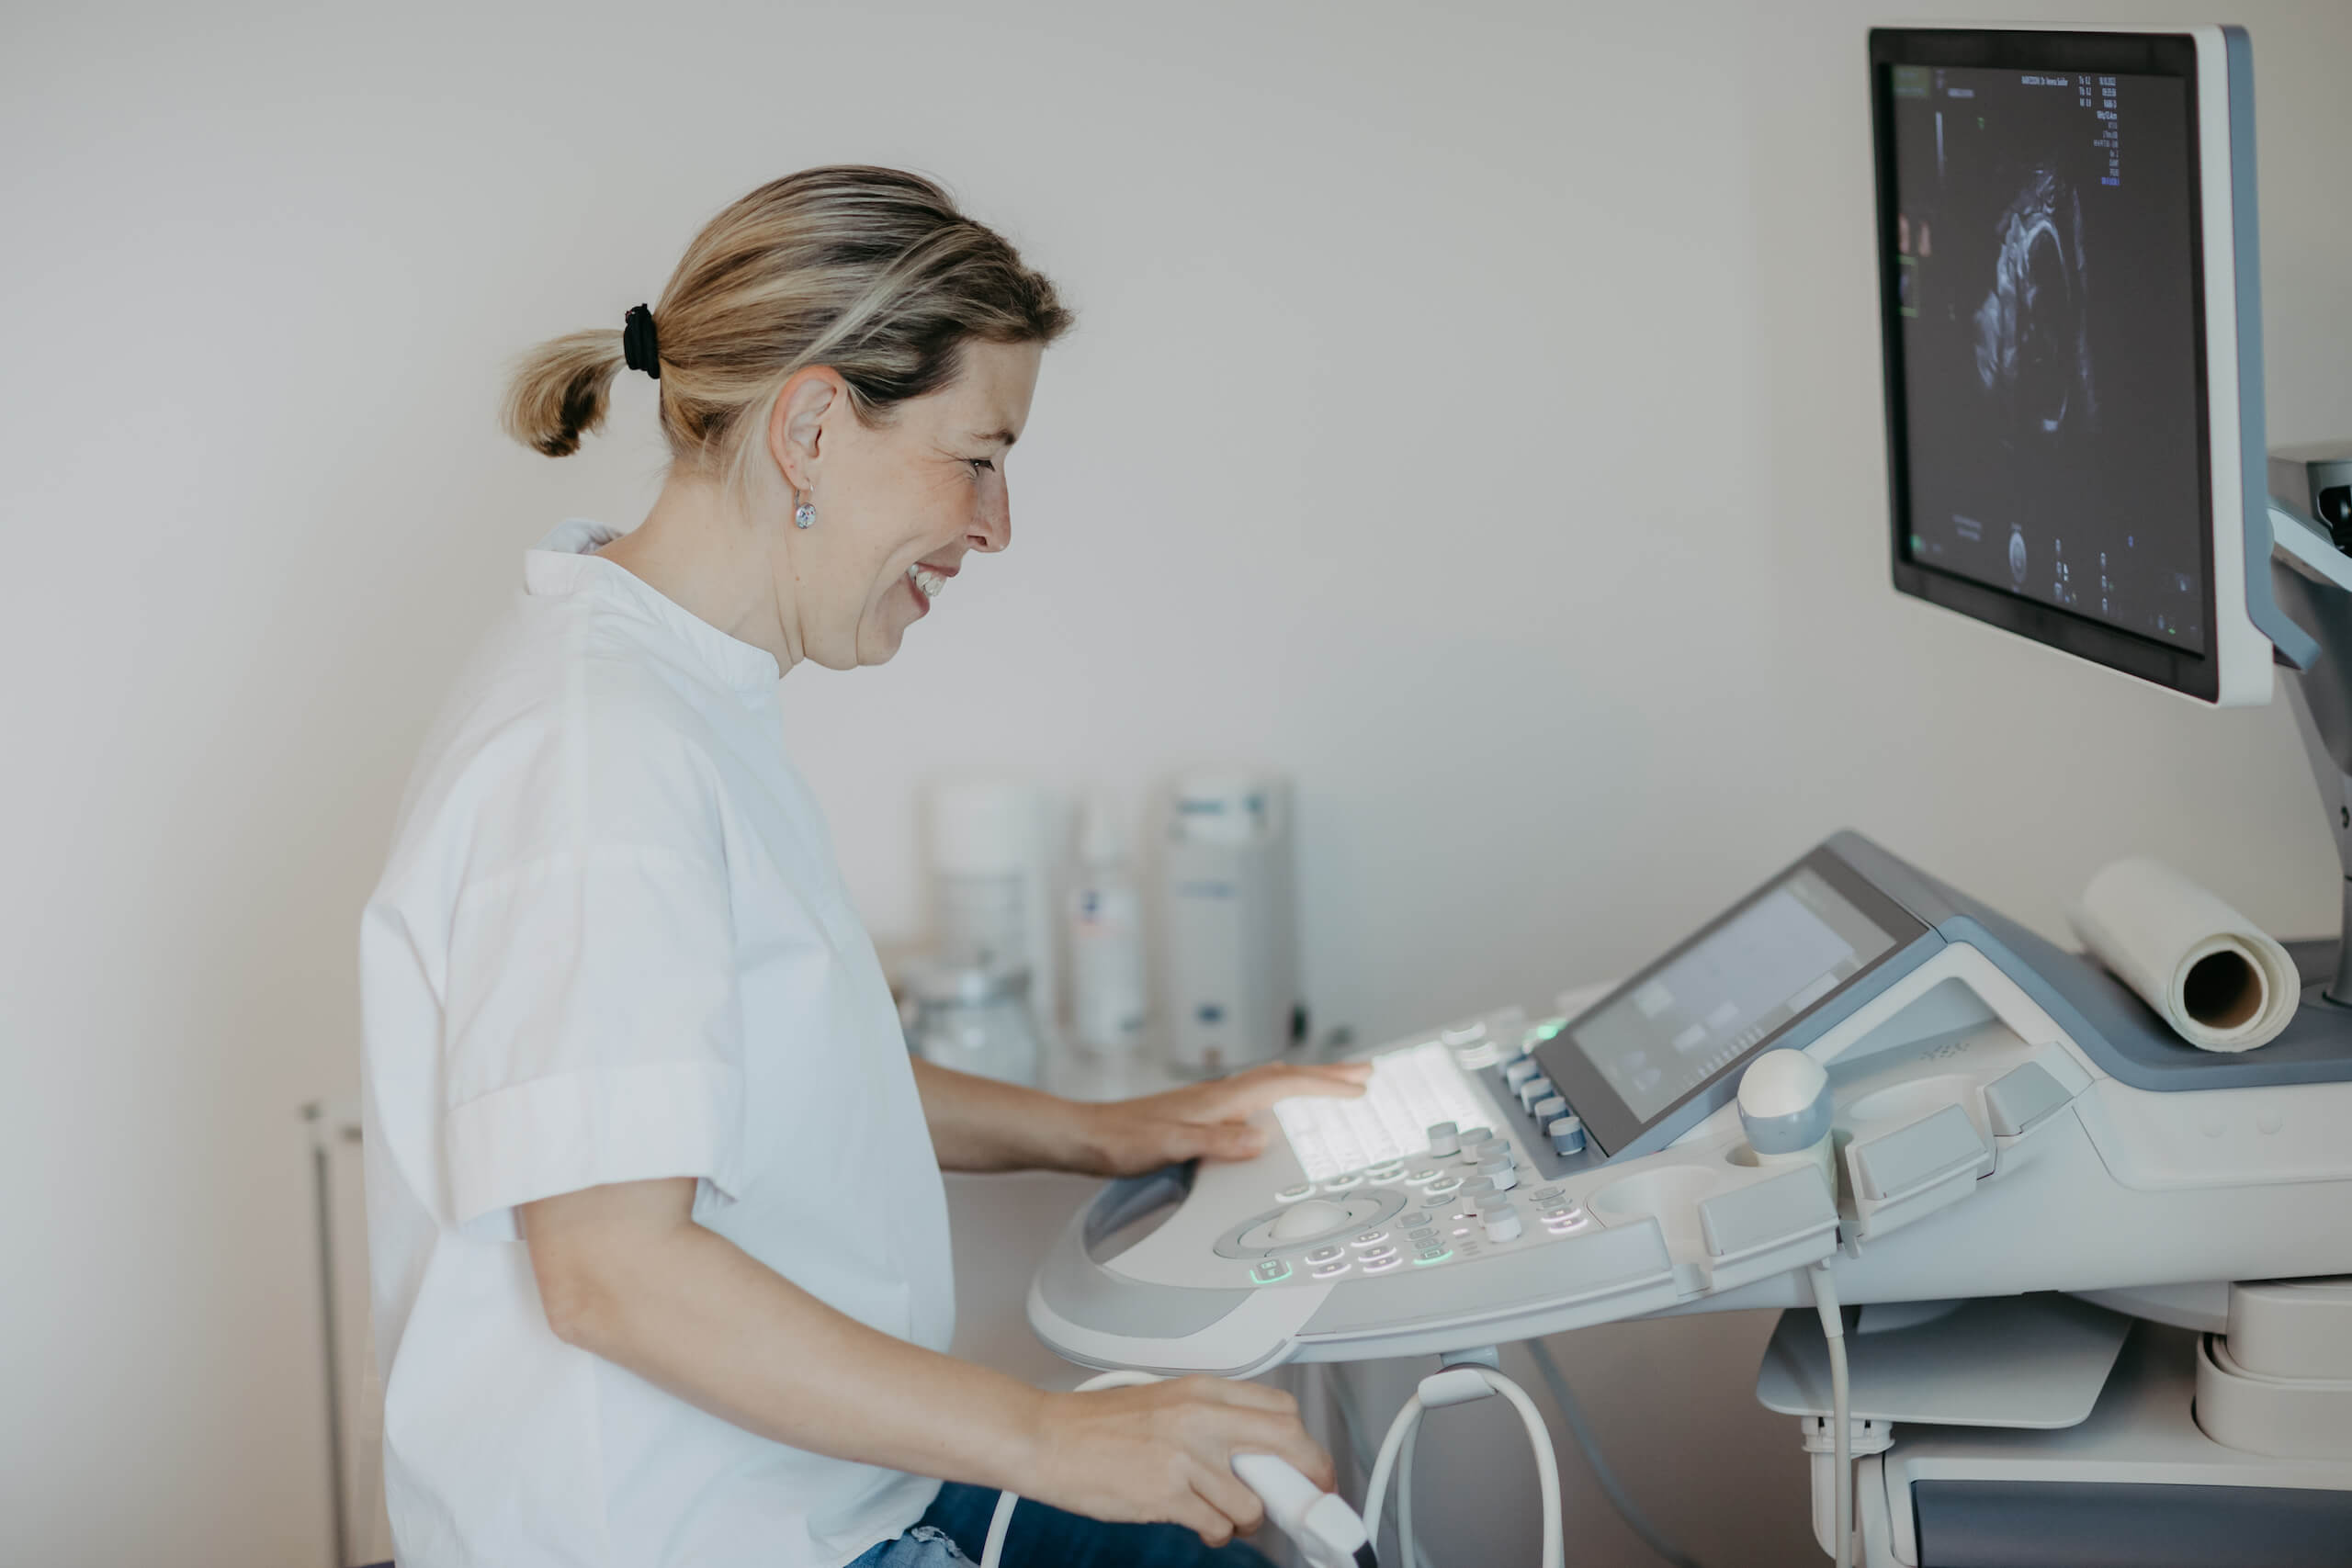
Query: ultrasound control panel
[[1448, 1190], [2004, 1121]]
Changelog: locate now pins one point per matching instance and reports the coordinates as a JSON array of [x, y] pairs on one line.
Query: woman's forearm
[[982, 1124], [626, 1273]]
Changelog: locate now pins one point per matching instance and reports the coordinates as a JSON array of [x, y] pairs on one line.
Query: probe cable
[[1411, 1548], [1833, 1329], [1460, 1385]]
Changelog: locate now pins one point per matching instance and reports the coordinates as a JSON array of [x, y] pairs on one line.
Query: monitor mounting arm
[[2312, 580]]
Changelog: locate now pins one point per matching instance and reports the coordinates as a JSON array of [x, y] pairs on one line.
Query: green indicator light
[[1421, 1261]]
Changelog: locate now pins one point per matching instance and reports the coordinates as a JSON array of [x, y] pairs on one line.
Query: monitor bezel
[[1609, 1122], [2194, 674]]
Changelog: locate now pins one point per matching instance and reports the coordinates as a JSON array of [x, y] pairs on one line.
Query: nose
[[991, 528]]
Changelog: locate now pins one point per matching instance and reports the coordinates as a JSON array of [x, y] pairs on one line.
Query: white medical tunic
[[611, 945]]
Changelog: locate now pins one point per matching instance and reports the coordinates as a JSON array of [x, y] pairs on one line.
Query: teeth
[[930, 583]]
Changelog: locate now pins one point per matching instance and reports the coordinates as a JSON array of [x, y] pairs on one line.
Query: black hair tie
[[638, 345]]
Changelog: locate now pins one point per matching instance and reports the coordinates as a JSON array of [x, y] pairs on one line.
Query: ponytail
[[560, 390], [871, 271]]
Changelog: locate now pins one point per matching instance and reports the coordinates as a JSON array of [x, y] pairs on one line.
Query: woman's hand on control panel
[[1204, 1121], [1163, 1452]]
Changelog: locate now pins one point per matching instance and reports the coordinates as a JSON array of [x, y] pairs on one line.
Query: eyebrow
[[1003, 436]]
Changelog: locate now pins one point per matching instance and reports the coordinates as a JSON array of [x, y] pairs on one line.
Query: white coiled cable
[[1459, 1386]]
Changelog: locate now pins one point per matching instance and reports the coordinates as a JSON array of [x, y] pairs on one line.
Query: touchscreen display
[[1797, 942]]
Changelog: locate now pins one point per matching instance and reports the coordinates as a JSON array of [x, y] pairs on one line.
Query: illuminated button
[[1538, 1088], [1392, 1171], [1519, 1072], [1429, 1255], [1326, 1254], [1547, 1030], [1270, 1271], [1378, 1255], [1422, 1174], [1550, 1109], [1444, 1137], [1292, 1194], [1379, 1265], [1567, 1133], [1560, 1224], [1327, 1270], [1445, 1184], [1342, 1183], [1501, 1223], [1461, 1230], [1369, 1238]]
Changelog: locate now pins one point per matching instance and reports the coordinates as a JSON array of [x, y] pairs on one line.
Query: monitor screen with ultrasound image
[[2045, 381]]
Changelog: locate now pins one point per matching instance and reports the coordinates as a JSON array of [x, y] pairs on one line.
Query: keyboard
[[1410, 1090]]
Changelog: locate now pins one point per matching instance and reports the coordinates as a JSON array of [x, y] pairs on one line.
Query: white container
[[992, 875], [1107, 1007], [1232, 923], [975, 1019]]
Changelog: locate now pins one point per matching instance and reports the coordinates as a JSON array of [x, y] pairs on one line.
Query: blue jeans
[[952, 1533]]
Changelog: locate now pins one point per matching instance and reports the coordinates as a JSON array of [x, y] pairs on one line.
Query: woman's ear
[[796, 422]]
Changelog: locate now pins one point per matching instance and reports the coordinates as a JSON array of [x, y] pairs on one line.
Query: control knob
[[1567, 1135]]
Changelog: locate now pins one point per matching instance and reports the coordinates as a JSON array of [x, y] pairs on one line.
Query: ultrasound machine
[[2058, 1285]]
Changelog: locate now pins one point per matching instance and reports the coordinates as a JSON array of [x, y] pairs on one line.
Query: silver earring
[[804, 514]]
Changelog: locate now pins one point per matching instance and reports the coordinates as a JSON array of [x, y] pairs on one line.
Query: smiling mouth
[[927, 582]]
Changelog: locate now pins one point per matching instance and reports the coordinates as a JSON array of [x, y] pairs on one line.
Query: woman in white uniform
[[660, 1248]]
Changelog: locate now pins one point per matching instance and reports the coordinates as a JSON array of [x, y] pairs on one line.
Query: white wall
[[1474, 412]]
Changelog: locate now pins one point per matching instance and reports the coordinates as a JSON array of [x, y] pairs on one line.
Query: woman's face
[[899, 504]]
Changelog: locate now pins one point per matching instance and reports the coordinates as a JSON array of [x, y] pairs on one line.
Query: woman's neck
[[701, 549]]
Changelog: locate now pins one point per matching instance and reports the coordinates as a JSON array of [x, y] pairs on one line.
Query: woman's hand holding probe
[[1164, 1453]]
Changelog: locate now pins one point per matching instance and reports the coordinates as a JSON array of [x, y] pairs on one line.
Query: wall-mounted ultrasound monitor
[[2073, 343]]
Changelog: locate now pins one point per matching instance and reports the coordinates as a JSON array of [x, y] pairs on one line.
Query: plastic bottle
[[993, 875], [1106, 959]]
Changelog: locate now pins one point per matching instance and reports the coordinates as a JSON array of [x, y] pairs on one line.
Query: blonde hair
[[870, 271]]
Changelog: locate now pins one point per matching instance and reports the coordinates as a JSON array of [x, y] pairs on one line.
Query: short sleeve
[[594, 1030]]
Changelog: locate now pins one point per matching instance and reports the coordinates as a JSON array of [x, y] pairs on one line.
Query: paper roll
[[2212, 973]]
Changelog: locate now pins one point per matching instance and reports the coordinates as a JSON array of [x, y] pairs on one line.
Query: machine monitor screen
[[1705, 1007], [2045, 339]]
